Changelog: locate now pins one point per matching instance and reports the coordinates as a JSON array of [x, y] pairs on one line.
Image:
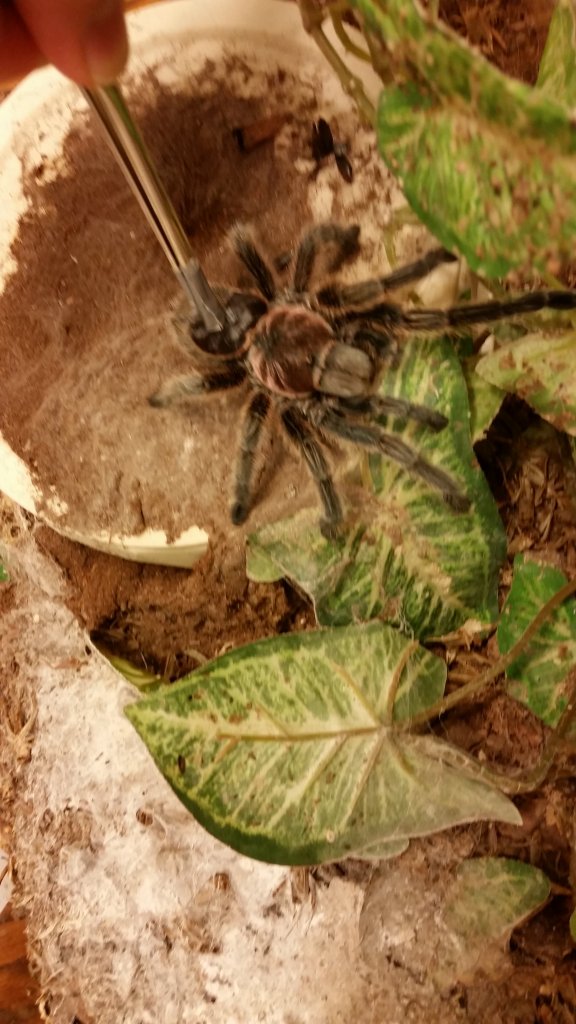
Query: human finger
[[18, 51], [85, 39]]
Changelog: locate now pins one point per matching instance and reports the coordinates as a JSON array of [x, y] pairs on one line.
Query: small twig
[[248, 137]]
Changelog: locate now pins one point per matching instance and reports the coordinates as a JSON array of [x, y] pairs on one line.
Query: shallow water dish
[[37, 121]]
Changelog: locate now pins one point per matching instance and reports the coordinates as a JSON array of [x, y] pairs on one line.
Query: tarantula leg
[[185, 387], [255, 418], [300, 433], [395, 318], [487, 312], [371, 290], [393, 448], [386, 405], [246, 250], [345, 244], [359, 334]]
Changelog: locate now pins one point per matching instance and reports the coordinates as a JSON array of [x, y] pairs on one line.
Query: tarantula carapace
[[315, 359]]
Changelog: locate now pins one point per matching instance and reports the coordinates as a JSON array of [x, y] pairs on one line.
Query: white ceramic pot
[[46, 98]]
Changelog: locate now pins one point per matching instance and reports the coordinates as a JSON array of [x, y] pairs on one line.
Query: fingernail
[[106, 46]]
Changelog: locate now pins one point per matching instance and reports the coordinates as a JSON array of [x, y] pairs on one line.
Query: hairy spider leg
[[343, 239], [254, 262], [387, 405], [393, 448], [197, 385], [360, 333], [300, 433], [370, 290], [486, 312], [394, 317], [254, 420]]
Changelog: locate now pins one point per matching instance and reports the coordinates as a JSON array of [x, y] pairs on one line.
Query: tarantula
[[316, 357]]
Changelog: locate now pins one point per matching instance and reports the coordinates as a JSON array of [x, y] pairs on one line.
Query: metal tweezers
[[132, 155]]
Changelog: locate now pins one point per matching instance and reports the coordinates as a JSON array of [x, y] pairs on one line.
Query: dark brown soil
[[531, 471], [169, 620]]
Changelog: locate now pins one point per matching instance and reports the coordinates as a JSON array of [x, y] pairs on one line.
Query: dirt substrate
[[169, 620], [85, 318], [510, 33]]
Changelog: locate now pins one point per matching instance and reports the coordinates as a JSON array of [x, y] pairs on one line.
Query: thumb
[[85, 39]]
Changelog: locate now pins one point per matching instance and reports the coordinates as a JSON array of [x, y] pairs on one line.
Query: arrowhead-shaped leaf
[[557, 74], [407, 558], [542, 371], [487, 163], [537, 677], [490, 896], [445, 924], [287, 749], [493, 895]]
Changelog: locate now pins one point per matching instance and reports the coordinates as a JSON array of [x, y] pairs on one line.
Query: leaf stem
[[534, 777], [312, 19], [478, 685], [344, 38]]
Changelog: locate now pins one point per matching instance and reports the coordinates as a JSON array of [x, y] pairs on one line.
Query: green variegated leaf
[[384, 851], [557, 75], [262, 567], [503, 201], [485, 400], [489, 897], [407, 558], [573, 926], [537, 677], [444, 925], [542, 371], [487, 163], [287, 749], [3, 574]]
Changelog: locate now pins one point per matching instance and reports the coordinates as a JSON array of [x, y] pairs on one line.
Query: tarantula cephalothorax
[[317, 358]]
